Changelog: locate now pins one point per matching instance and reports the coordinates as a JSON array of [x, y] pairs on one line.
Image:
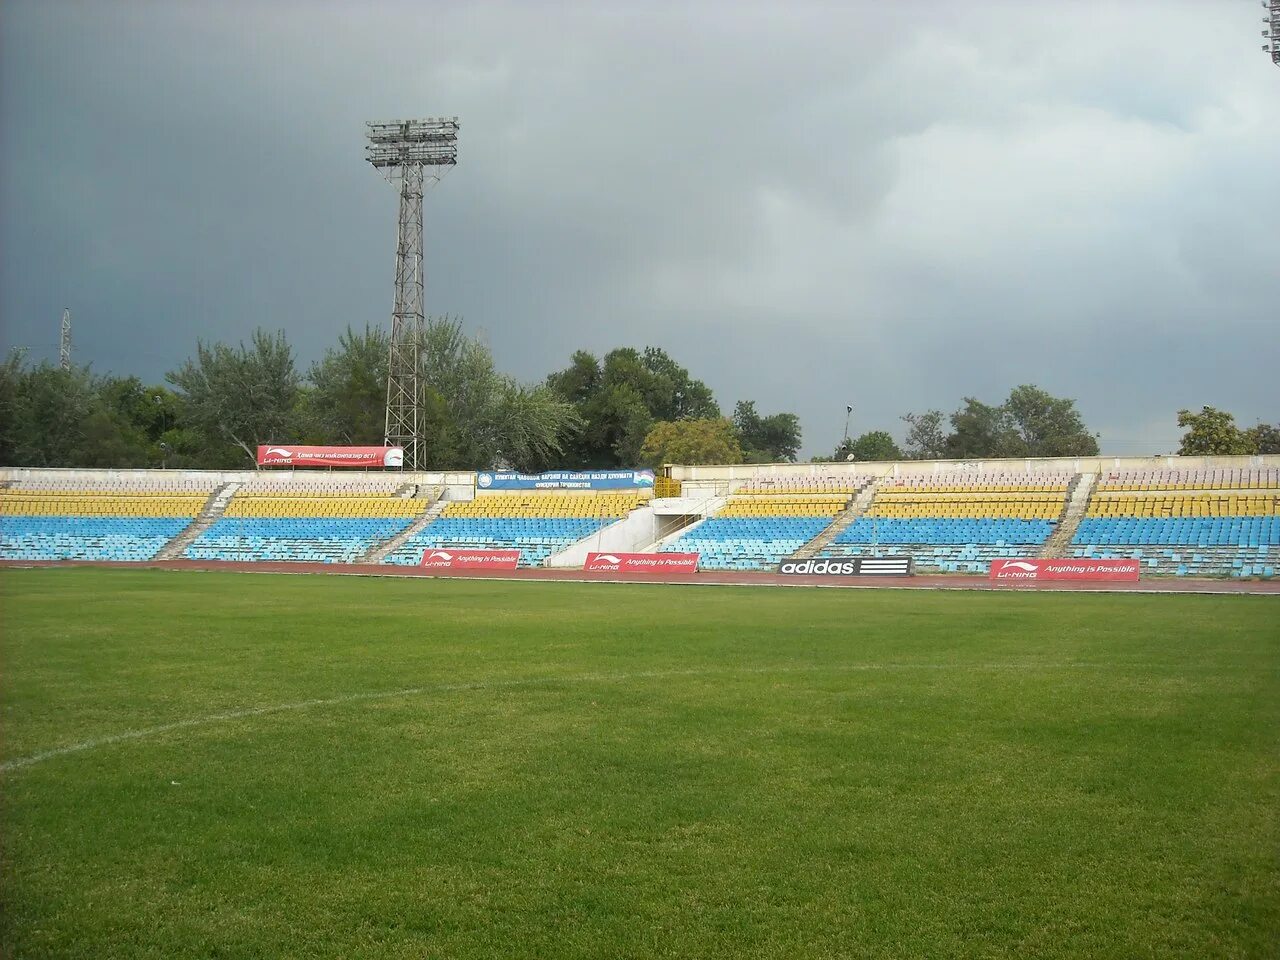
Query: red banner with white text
[[462, 558], [1025, 569], [289, 455], [643, 562]]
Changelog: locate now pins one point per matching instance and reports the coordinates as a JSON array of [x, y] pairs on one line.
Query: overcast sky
[[893, 205]]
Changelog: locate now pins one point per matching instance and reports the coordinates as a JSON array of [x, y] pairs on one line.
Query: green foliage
[[926, 438], [1044, 426], [1213, 432], [239, 397], [1030, 423], [348, 400], [772, 439], [1265, 438], [51, 417], [342, 767], [478, 418], [711, 440], [619, 399], [873, 446], [979, 431]]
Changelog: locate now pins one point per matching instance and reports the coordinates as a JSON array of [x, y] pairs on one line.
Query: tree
[[478, 418], [1265, 438], [1043, 426], [1030, 423], [1212, 432], [51, 412], [875, 445], [11, 377], [980, 431], [242, 396], [710, 440], [619, 398], [926, 439], [771, 439], [71, 418], [348, 402], [676, 395]]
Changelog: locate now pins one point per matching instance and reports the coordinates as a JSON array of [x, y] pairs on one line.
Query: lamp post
[[848, 412], [164, 428]]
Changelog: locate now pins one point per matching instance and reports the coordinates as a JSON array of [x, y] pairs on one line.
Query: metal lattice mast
[[64, 341], [404, 399], [402, 150], [1272, 33]]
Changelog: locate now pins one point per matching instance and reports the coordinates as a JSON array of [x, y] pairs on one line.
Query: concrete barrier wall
[[710, 480], [459, 484], [699, 482], [631, 534]]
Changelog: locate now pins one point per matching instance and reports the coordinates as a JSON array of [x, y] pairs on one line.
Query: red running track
[[701, 578]]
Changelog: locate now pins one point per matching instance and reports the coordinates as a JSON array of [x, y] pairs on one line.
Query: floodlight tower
[[1272, 33], [401, 150], [64, 341]]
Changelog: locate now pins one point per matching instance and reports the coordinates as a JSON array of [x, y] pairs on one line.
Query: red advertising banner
[[466, 558], [1024, 569], [294, 456], [643, 562]]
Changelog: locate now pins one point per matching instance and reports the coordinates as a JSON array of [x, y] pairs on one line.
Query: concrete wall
[[702, 481], [639, 530], [699, 483], [459, 485], [631, 534]]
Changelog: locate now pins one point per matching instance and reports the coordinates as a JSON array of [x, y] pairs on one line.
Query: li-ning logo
[[1017, 568], [439, 555], [394, 457], [279, 451], [608, 558]]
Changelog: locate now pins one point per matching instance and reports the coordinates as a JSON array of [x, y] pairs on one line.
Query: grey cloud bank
[[888, 205]]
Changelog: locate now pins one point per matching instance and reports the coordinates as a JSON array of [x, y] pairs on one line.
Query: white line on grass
[[31, 759]]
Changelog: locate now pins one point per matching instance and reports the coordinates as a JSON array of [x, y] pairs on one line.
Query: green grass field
[[271, 766]]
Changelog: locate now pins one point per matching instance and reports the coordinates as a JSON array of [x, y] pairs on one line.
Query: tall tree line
[[622, 409], [214, 409]]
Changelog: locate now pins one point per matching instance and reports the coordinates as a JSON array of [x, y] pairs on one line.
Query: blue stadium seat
[[86, 538], [535, 537], [306, 539], [747, 543]]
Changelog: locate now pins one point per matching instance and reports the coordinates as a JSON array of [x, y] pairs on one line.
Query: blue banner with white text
[[568, 480]]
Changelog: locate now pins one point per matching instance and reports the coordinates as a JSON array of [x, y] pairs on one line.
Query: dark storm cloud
[[889, 205]]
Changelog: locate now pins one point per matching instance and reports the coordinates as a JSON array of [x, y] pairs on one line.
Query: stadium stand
[[1186, 523], [537, 524], [111, 520], [767, 520], [319, 521], [1177, 522], [957, 522]]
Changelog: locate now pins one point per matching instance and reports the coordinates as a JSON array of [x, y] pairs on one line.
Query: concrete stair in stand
[[378, 551], [213, 509], [856, 508], [1077, 502]]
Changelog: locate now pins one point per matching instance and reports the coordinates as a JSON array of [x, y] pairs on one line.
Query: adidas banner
[[847, 567]]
